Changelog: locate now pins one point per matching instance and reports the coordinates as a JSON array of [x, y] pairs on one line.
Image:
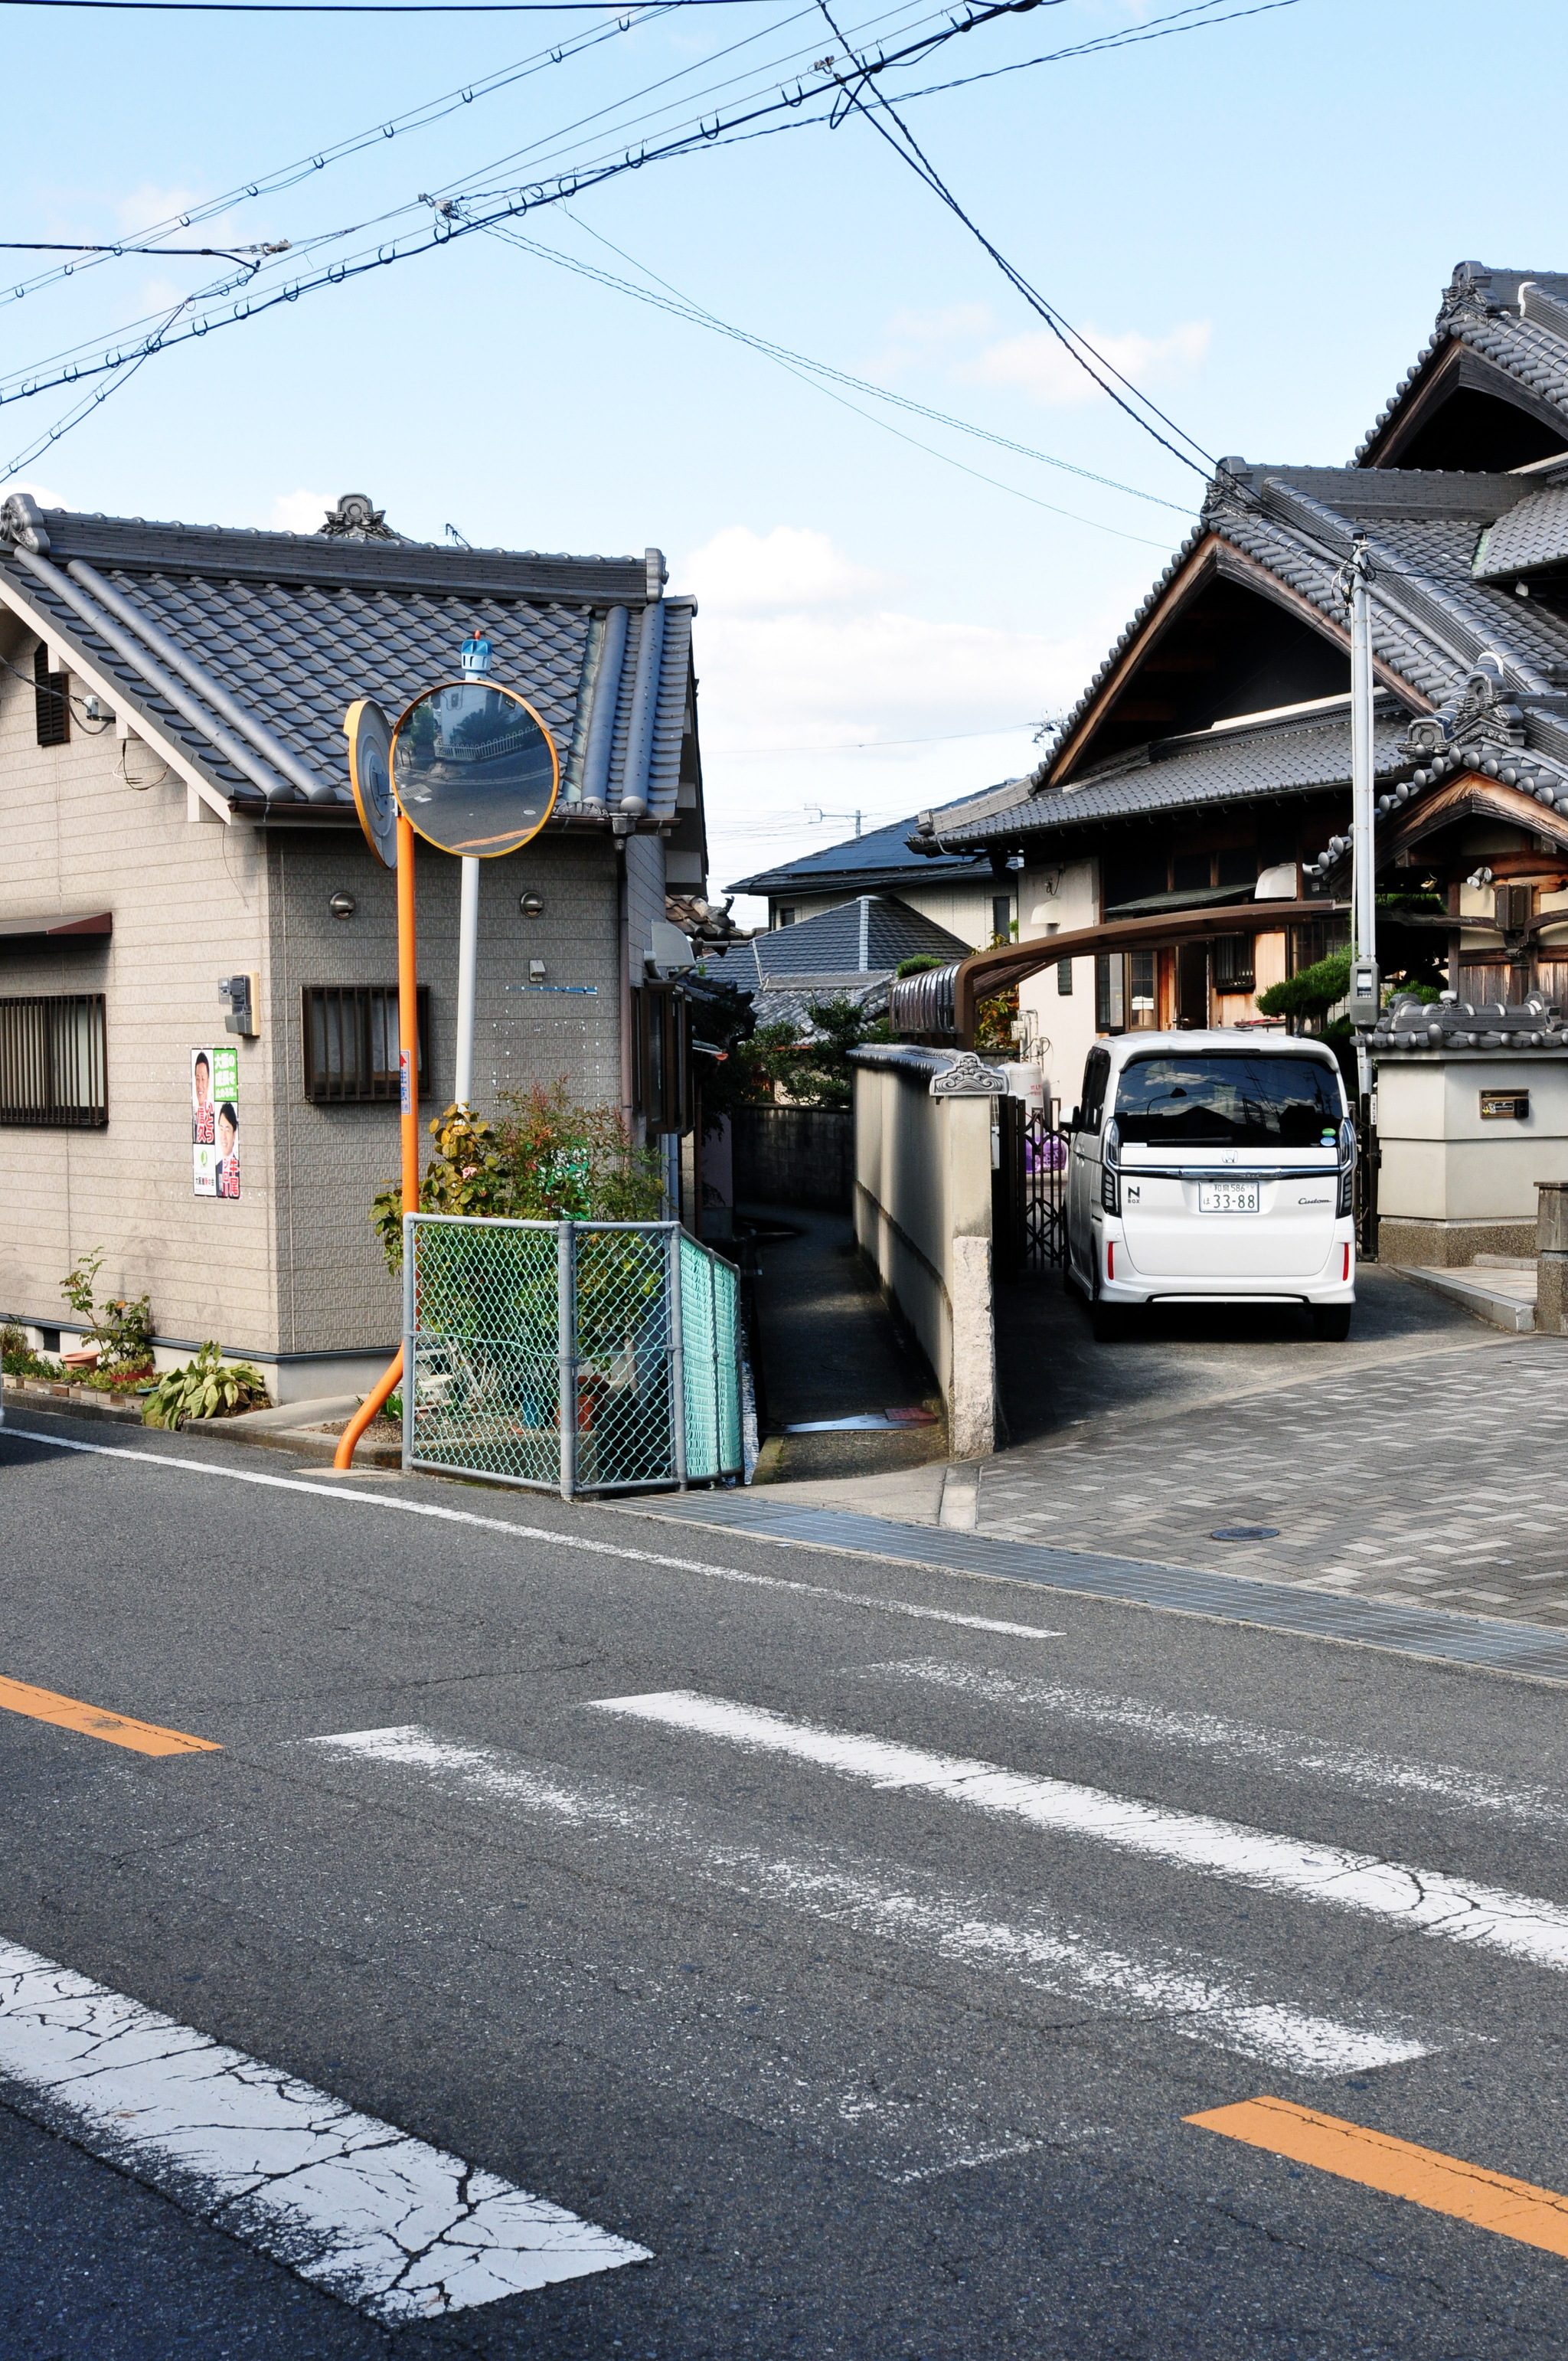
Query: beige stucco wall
[[335, 1291], [923, 1218], [1442, 1162], [188, 904], [293, 1267]]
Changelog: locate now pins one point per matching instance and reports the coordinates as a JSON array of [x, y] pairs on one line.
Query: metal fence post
[[410, 1251], [567, 1347], [713, 1356], [677, 1361]]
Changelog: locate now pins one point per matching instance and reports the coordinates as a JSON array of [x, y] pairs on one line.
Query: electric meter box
[[1366, 996]]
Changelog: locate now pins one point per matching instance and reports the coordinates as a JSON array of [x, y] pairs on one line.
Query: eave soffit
[[1214, 559]]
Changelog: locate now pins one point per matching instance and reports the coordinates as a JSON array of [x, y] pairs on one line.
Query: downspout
[[271, 749], [223, 741], [865, 960]]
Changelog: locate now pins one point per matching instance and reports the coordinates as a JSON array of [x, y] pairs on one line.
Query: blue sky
[[1255, 220]]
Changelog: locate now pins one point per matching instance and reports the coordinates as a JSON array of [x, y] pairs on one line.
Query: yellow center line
[[1443, 2184], [119, 1729]]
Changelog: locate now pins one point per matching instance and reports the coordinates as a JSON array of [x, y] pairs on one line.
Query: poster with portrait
[[215, 1120]]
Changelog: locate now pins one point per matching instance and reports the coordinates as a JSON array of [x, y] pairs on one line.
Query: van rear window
[[1228, 1100]]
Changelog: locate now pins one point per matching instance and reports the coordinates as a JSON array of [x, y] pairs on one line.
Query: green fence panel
[[552, 1354], [482, 1373]]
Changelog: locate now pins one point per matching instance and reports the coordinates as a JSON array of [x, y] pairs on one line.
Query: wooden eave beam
[[986, 973], [1458, 366]]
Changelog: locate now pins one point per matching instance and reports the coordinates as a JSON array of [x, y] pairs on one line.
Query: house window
[[53, 1063], [1142, 1007], [51, 700], [1002, 917], [351, 1043], [1237, 867], [1064, 978], [1109, 991], [785, 915], [1234, 963]]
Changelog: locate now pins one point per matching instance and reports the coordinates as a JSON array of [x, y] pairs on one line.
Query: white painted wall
[[1055, 899]]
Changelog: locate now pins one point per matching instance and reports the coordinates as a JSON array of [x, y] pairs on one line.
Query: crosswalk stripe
[[402, 2230], [1288, 1751], [1424, 2176], [161, 1460], [94, 1721], [1211, 2002], [1420, 1900]]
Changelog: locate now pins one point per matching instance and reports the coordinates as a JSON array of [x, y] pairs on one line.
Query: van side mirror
[[1076, 1121]]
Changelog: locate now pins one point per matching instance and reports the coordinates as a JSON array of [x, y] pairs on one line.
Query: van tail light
[[1345, 1205], [1110, 1169], [1110, 1259], [1345, 1274]]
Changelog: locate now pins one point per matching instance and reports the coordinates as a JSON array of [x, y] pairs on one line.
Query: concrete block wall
[[923, 1218]]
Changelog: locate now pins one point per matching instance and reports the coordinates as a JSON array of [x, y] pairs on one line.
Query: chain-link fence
[[575, 1356]]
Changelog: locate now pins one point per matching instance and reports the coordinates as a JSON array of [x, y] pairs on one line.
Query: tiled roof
[[1533, 534], [1516, 319], [1431, 621], [861, 862], [1221, 766], [295, 626], [838, 948]]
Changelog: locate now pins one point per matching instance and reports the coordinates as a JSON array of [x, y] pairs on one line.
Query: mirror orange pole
[[408, 1061]]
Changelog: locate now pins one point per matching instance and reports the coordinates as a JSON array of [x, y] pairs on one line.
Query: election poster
[[215, 1120]]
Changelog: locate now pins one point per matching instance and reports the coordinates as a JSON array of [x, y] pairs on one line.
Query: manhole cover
[[1246, 1533]]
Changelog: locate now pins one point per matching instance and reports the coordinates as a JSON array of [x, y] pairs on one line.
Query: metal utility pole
[[468, 967], [1356, 581], [1366, 993]]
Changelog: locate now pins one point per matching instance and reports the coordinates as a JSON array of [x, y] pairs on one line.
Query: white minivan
[[1212, 1167]]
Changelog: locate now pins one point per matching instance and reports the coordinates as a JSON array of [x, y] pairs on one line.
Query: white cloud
[[298, 512], [1041, 365], [800, 647], [739, 572], [818, 691]]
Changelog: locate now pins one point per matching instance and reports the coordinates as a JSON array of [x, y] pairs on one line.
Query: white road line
[[1291, 1753], [534, 1533], [399, 2229], [1422, 1901], [1217, 2004]]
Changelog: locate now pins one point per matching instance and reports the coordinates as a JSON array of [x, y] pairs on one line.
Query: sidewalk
[[1420, 1463]]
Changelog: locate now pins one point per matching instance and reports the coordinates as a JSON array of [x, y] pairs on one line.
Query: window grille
[[53, 1061], [1064, 978], [1234, 963], [351, 1043], [51, 700]]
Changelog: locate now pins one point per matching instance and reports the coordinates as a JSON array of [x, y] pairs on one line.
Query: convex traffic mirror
[[474, 769]]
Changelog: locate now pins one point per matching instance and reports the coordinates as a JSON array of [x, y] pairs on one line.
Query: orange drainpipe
[[408, 1048]]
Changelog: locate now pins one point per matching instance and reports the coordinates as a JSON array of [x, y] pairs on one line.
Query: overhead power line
[[908, 150]]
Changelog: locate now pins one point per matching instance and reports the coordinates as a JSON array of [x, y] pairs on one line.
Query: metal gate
[[1029, 1202]]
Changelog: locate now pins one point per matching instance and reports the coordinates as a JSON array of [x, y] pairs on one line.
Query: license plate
[[1227, 1196]]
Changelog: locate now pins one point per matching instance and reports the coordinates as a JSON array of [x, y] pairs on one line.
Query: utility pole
[[1356, 579]]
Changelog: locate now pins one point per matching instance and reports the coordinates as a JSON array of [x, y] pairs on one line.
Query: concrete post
[[972, 1400], [1551, 1257]]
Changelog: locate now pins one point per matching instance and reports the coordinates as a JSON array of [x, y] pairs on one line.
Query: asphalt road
[[873, 2056]]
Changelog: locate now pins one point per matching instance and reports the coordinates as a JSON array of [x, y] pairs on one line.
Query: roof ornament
[[475, 655], [1464, 297], [356, 518], [22, 524]]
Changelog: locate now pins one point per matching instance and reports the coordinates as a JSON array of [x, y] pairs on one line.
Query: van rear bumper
[[1121, 1283]]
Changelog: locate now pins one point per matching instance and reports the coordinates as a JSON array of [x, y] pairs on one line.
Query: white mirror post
[[467, 965]]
